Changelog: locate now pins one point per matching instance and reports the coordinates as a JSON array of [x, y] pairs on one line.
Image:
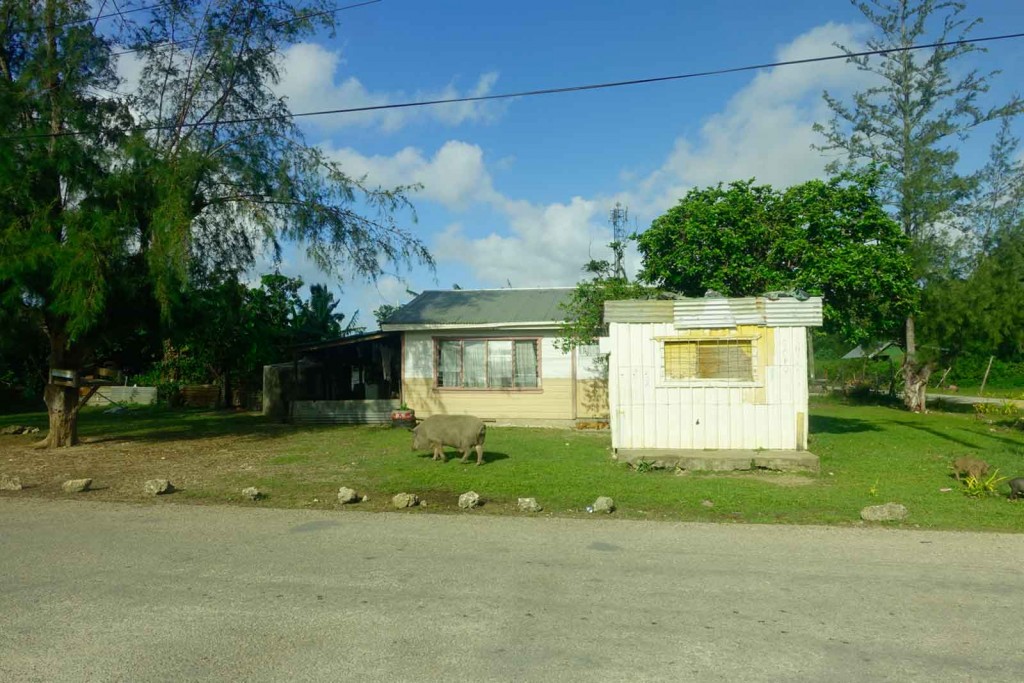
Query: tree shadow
[[960, 441], [827, 424]]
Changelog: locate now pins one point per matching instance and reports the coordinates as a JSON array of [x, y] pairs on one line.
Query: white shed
[[699, 374]]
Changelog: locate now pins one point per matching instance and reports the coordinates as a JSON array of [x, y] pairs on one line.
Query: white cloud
[[454, 177], [311, 80], [765, 130]]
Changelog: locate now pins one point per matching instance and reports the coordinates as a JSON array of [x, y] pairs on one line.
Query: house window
[[718, 359], [488, 363]]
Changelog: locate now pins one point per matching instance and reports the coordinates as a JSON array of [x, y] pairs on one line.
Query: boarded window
[[488, 363], [728, 359]]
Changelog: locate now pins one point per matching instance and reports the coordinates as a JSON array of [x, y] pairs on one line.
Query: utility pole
[[619, 217]]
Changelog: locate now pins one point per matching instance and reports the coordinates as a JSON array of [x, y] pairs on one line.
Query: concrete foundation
[[723, 461]]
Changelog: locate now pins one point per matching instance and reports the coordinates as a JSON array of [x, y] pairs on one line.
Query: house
[[692, 375], [492, 353], [353, 379]]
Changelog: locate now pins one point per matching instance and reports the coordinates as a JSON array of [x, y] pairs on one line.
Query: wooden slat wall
[[645, 415]]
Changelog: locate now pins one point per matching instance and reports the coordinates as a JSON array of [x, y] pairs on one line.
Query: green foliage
[[828, 238], [981, 314], [904, 124], [977, 487], [383, 312], [584, 311]]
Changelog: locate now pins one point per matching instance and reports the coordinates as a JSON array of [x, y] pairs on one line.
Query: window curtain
[[526, 364], [473, 364], [499, 363], [448, 369]]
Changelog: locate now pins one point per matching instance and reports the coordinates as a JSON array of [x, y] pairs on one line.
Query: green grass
[[869, 455]]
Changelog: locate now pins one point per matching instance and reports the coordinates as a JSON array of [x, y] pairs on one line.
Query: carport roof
[[489, 307]]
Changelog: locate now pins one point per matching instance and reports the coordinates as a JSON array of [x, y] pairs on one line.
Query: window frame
[[438, 341], [756, 373]]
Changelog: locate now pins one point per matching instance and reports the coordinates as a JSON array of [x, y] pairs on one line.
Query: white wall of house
[[649, 412]]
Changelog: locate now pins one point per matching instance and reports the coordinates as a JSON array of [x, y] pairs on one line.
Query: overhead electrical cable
[[544, 91], [275, 24]]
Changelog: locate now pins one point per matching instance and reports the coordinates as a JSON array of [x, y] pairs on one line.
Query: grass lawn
[[869, 455]]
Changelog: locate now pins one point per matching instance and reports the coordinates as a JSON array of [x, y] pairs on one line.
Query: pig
[[1016, 488], [972, 467], [461, 431]]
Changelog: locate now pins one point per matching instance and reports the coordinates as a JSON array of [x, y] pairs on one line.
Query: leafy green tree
[[196, 171], [908, 126], [383, 312], [828, 238], [584, 311], [318, 320]]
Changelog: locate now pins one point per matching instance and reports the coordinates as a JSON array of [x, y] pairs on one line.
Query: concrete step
[[724, 460]]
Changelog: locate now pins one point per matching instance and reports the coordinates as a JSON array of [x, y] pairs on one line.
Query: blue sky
[[519, 191]]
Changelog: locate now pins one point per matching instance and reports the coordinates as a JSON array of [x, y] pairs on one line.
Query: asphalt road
[[109, 592]]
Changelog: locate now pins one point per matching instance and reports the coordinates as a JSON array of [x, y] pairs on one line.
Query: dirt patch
[[119, 468]]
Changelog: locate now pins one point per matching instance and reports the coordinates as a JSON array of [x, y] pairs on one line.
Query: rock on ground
[[8, 483], [76, 485], [252, 493], [347, 495], [603, 504], [529, 505], [11, 430], [469, 499], [884, 513], [156, 487], [405, 500]]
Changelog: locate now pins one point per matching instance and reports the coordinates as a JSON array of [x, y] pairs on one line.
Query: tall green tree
[[318, 319], [832, 239], [909, 126], [198, 169]]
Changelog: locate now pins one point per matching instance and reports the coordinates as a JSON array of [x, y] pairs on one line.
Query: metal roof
[[481, 307], [714, 312]]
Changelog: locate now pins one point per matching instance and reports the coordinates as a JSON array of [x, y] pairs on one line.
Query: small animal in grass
[[1016, 488], [968, 466], [460, 431]]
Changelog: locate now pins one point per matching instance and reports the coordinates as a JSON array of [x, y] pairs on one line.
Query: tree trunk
[[62, 404], [915, 377]]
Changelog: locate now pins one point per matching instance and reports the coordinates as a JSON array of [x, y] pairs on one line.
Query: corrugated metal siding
[[646, 415], [640, 311], [343, 412], [786, 312]]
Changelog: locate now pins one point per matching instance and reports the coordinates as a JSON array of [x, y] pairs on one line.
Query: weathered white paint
[[418, 361], [649, 412]]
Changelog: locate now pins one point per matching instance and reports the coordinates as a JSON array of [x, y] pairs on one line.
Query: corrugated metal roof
[[483, 307], [787, 312], [711, 312], [641, 311]]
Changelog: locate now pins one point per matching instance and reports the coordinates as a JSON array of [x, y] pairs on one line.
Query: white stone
[[529, 505], [76, 485], [469, 499], [347, 495], [157, 487], [889, 512]]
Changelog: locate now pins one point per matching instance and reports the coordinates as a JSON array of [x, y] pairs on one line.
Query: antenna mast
[[619, 217]]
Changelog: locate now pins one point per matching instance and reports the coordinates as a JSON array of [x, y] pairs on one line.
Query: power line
[[546, 91], [275, 24]]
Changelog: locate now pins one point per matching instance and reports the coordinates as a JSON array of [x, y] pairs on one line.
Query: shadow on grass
[[489, 457], [163, 425], [826, 424]]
